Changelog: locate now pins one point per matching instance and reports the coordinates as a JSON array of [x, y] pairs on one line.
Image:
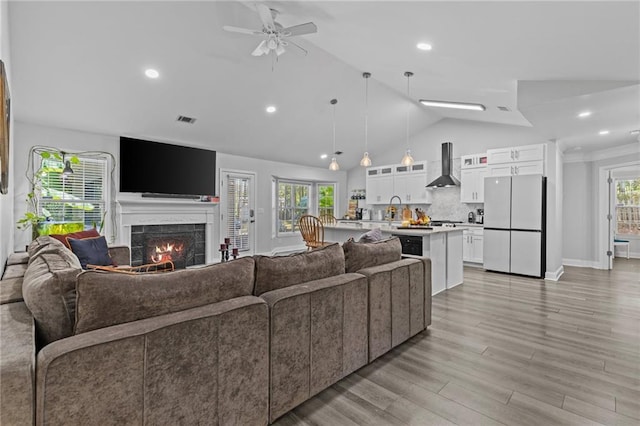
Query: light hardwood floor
[[505, 350]]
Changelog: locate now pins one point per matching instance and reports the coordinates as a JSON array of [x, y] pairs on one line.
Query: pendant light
[[366, 161], [67, 166], [334, 163], [407, 160]]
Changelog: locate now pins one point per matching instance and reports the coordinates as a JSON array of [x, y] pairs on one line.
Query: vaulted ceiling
[[80, 65]]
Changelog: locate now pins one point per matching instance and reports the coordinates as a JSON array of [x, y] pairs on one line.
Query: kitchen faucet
[[391, 205]]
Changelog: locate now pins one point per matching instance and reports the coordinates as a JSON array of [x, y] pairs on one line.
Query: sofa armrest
[[11, 290], [17, 360], [121, 255], [206, 365]]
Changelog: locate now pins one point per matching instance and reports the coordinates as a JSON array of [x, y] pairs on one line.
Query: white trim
[[555, 275], [253, 204], [581, 263], [603, 154]]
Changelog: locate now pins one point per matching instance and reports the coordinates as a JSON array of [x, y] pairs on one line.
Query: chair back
[[312, 231], [328, 219]]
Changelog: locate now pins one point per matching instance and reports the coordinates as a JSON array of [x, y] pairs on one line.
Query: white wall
[[28, 135], [579, 231], [6, 201]]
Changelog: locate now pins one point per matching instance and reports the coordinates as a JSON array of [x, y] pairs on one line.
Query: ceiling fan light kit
[[276, 37], [454, 105]]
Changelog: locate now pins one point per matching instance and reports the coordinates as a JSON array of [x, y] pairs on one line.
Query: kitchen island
[[443, 245]]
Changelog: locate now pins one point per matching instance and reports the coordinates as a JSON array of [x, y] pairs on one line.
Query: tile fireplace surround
[[139, 211]]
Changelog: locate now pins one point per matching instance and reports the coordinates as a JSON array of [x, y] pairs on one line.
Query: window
[[297, 198], [78, 197], [628, 207], [326, 199]]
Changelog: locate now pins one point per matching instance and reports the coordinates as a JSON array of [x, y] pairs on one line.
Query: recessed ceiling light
[[454, 105], [271, 109], [151, 73], [635, 132], [423, 46], [323, 156], [584, 114], [603, 132], [577, 148]]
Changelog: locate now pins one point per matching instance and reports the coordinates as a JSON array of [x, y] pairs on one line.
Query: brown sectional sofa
[[236, 343]]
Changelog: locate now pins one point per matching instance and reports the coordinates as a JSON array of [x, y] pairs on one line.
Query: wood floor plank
[[548, 414], [597, 414], [504, 349]]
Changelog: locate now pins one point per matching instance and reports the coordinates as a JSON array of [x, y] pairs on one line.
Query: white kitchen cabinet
[[516, 168], [473, 160], [407, 182], [472, 185], [473, 240], [454, 259], [515, 154], [410, 184], [379, 184]]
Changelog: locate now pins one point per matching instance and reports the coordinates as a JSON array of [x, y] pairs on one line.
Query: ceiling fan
[[276, 37]]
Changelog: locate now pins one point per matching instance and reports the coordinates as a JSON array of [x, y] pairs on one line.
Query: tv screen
[[160, 168]]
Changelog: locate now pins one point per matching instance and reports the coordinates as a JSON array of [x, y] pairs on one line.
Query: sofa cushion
[[41, 243], [364, 255], [274, 272], [63, 238], [48, 286], [109, 298], [92, 251]]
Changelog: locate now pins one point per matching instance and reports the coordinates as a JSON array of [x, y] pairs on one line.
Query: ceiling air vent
[[185, 119], [503, 108], [338, 153]]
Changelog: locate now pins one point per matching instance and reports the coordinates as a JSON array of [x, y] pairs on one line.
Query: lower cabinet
[[472, 250]]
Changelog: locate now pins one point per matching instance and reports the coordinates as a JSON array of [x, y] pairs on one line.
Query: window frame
[[312, 205]]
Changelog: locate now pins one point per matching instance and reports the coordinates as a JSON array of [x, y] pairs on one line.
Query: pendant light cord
[[366, 114], [408, 74], [334, 102]]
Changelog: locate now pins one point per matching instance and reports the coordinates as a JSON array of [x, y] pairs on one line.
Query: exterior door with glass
[[237, 210]]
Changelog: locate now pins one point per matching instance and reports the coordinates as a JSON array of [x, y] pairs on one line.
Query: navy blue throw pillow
[[92, 251]]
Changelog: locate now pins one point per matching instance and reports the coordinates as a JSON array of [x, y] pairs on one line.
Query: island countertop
[[363, 227]]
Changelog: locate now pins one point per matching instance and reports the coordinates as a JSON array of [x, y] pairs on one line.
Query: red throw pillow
[[89, 233]]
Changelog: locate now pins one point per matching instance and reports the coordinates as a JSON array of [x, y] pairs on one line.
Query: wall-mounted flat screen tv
[[165, 169]]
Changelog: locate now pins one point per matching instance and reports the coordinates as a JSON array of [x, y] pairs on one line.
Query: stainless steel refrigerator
[[514, 224]]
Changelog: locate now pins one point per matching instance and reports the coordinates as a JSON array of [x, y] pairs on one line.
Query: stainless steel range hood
[[447, 179]]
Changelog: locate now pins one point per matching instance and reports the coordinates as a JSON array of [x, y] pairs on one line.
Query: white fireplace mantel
[[139, 211]]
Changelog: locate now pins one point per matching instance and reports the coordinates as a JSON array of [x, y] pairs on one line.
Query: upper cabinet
[[521, 160], [474, 170], [407, 182]]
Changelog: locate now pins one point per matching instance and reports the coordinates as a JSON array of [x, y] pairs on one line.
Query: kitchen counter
[[443, 245]]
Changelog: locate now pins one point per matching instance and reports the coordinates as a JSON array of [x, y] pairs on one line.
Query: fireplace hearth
[[183, 244]]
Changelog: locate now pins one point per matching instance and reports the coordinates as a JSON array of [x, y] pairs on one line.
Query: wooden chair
[[328, 219], [312, 231]]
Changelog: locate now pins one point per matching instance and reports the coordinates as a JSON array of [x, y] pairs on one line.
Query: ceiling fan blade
[[242, 30], [260, 50], [280, 49], [299, 47], [302, 29], [265, 16]]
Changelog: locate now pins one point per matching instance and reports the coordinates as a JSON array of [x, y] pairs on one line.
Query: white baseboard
[[581, 263], [554, 275]]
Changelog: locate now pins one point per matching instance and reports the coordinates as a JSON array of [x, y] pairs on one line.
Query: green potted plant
[[36, 217]]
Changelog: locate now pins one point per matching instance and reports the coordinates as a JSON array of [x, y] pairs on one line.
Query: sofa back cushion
[[109, 298], [63, 238], [275, 272], [364, 255], [41, 243], [48, 289]]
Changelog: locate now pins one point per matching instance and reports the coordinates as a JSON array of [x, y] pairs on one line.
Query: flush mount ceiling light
[[271, 109], [454, 105], [334, 163], [584, 114], [151, 73], [366, 161], [604, 132], [407, 160], [423, 46], [635, 132]]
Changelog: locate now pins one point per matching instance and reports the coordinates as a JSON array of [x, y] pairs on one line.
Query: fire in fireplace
[[184, 245]]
